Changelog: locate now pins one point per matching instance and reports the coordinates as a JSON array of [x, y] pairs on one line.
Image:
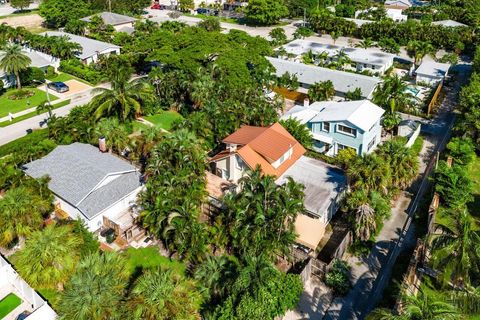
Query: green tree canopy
[[265, 12]]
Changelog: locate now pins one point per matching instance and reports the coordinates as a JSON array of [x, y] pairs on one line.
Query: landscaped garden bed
[[23, 101]]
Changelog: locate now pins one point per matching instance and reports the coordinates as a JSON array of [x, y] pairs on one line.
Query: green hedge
[[80, 70]]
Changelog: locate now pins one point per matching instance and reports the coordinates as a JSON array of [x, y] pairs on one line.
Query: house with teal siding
[[340, 125]]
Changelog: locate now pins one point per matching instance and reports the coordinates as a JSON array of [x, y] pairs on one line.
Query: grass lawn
[[165, 119], [8, 304], [13, 106], [149, 257], [62, 77], [417, 145], [31, 114]]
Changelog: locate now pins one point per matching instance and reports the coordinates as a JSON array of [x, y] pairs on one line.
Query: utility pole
[[109, 5], [304, 17]]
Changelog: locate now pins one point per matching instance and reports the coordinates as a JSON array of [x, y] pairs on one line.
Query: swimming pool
[[414, 91]]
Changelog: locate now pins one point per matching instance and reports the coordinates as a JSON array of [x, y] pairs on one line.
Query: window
[[371, 144], [342, 147], [346, 130], [326, 126]]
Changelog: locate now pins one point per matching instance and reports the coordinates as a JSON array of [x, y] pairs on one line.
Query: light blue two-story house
[[340, 125]]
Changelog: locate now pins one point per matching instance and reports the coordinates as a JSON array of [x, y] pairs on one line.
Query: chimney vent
[[232, 148], [306, 102], [102, 145]]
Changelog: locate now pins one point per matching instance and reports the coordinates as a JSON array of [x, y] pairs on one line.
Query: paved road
[[6, 9], [19, 129], [372, 275]]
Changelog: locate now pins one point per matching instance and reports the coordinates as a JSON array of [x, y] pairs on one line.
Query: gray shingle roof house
[[113, 19], [91, 49], [38, 61], [342, 81], [88, 183]]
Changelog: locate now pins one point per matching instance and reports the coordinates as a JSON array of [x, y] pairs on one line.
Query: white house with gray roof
[[91, 49], [38, 61], [363, 59], [87, 183], [119, 22], [309, 74], [341, 125], [431, 72]]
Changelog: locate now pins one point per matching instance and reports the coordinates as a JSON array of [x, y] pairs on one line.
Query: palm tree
[[13, 61], [116, 135], [393, 95], [419, 49], [125, 98], [401, 160], [45, 106], [96, 289], [364, 215], [342, 58], [456, 250], [216, 275], [21, 213], [49, 256], [424, 306], [369, 172], [256, 272], [321, 91], [365, 43], [163, 294]]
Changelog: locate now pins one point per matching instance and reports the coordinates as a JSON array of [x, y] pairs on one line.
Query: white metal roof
[[449, 23], [362, 114], [433, 69], [111, 18], [342, 81], [406, 3], [89, 46], [360, 55]]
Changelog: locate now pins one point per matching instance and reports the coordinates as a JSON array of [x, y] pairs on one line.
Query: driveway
[[75, 87]]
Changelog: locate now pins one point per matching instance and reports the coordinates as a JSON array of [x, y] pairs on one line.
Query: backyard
[[165, 119], [8, 304], [10, 104], [146, 258]]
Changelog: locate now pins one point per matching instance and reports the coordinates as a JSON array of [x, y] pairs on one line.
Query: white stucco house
[[99, 188], [396, 15], [431, 72], [398, 4], [38, 59], [31, 302], [343, 81], [119, 22], [372, 60], [91, 49]]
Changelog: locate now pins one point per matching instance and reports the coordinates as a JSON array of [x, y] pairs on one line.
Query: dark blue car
[[58, 86]]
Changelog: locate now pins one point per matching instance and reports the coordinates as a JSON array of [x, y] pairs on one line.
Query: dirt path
[[33, 21]]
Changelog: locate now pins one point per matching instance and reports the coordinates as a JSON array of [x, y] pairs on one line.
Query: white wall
[[9, 277], [423, 78]]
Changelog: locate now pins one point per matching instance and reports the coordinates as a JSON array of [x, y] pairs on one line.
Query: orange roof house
[[273, 148]]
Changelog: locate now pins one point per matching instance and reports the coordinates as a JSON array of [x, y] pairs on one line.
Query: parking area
[[74, 86]]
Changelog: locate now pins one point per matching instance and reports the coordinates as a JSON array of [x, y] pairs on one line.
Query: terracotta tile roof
[[244, 135], [260, 145]]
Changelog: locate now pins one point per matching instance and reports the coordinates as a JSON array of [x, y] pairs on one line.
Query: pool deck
[[24, 306]]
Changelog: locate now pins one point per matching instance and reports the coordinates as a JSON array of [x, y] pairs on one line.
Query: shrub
[[337, 278], [80, 70], [32, 74], [20, 94], [50, 72]]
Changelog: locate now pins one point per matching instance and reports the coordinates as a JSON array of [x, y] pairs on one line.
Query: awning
[[322, 138], [310, 231]]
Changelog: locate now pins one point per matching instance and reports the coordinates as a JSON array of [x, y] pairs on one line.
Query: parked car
[[207, 11], [58, 86], [158, 6], [23, 315]]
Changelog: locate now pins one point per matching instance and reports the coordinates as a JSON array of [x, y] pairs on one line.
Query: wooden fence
[[434, 99]]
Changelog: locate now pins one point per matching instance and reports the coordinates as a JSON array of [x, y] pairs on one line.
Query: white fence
[[10, 278], [414, 136]]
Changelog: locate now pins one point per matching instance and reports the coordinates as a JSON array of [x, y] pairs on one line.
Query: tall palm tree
[[358, 203], [392, 95], [45, 106], [49, 256], [369, 172], [419, 49], [401, 160], [321, 91], [116, 135], [96, 289], [163, 294], [125, 98], [21, 213], [13, 61], [456, 251]]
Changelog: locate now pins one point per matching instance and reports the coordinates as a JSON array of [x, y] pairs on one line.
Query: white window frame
[[346, 133], [323, 126]]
